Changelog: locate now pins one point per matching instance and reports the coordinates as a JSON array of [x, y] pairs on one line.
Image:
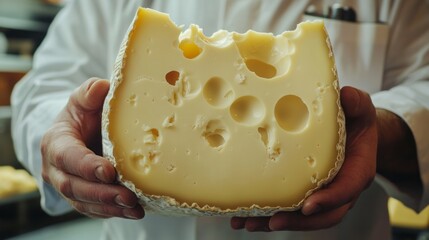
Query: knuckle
[[80, 207], [44, 145], [46, 177], [47, 141], [105, 210], [58, 158], [65, 188], [98, 210], [88, 167]]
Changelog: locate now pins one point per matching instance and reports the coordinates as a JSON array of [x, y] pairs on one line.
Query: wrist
[[396, 151]]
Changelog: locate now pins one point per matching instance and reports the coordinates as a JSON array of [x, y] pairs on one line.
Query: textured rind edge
[[169, 206]]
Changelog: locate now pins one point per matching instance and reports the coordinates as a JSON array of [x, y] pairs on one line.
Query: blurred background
[[23, 25]]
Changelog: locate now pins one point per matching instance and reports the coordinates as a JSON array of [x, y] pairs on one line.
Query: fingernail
[[90, 83], [132, 214], [99, 173], [311, 209], [120, 202], [238, 223]]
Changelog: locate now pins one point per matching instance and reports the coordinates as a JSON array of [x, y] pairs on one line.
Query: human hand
[[326, 207], [70, 163]]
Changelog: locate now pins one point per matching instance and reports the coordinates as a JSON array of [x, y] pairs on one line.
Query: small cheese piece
[[15, 181], [231, 124]]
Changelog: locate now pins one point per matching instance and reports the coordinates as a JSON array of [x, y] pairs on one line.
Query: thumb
[[358, 168], [89, 97], [84, 110], [357, 104]]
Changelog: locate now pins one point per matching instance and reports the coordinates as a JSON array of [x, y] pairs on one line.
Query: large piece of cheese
[[232, 124]]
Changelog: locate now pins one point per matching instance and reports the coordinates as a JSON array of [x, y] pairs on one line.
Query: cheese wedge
[[231, 124]]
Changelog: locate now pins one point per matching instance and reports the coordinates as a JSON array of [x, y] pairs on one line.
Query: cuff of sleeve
[[405, 103], [52, 202]]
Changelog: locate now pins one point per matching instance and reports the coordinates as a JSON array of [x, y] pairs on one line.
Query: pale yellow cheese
[[15, 181], [401, 216], [231, 124]]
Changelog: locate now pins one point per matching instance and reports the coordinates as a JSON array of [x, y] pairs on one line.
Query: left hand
[[326, 207]]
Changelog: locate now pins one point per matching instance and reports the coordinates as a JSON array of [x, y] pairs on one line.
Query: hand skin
[[326, 207], [71, 164]]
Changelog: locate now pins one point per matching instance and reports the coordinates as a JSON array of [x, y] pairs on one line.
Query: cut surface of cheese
[[231, 124]]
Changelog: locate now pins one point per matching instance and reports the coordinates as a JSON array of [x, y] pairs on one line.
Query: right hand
[[71, 164]]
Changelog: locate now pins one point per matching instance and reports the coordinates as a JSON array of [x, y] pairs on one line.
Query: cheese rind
[[232, 124]]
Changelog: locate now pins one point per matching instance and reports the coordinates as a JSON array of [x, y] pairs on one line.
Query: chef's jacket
[[384, 52]]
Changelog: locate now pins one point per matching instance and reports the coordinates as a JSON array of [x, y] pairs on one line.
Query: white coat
[[385, 52]]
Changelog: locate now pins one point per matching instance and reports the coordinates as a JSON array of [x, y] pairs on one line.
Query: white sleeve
[[406, 84], [81, 43]]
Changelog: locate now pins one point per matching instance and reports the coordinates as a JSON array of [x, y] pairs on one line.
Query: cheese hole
[[138, 159], [260, 68], [175, 98], [188, 151], [171, 168], [215, 139], [132, 100], [217, 92], [189, 48], [314, 177], [311, 161], [153, 157], [141, 161], [274, 153], [169, 121], [172, 77], [155, 132], [264, 135], [317, 106], [151, 136], [291, 113], [247, 110], [216, 134]]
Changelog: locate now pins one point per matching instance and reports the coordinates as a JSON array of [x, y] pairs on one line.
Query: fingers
[[296, 221], [97, 199], [66, 145], [238, 222], [83, 111], [345, 188], [355, 175], [106, 211], [63, 151], [77, 189], [358, 169], [86, 180], [252, 224], [291, 221]]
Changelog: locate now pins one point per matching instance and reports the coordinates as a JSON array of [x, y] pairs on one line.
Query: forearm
[[396, 151]]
